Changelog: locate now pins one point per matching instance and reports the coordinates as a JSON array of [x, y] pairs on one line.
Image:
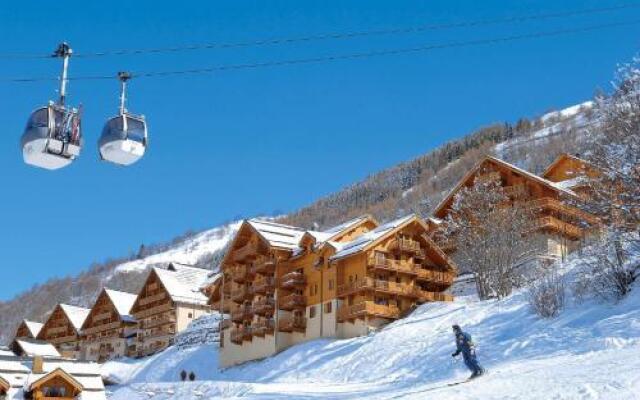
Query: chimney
[[37, 365]]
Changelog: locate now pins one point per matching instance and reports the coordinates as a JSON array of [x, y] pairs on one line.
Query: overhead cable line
[[352, 56], [333, 35]]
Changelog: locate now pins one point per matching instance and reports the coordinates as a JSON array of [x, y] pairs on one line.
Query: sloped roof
[[76, 315], [505, 164], [33, 327], [122, 301], [564, 156], [278, 235], [184, 282], [35, 347], [361, 242]]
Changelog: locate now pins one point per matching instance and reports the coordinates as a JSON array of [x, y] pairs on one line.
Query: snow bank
[[589, 351]]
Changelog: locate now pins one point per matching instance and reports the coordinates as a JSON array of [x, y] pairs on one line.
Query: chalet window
[[327, 308], [190, 315], [312, 312]]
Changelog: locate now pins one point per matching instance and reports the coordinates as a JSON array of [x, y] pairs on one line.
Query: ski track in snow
[[589, 352]]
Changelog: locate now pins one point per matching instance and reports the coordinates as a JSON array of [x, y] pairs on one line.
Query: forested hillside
[[413, 186]]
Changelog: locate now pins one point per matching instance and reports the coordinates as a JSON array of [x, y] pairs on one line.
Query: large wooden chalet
[[283, 285], [110, 331], [169, 300], [63, 329], [28, 329], [550, 196]]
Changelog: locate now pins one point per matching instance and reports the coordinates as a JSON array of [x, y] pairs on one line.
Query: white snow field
[[591, 351]]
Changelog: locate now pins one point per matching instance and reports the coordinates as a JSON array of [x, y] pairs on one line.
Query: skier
[[468, 349]]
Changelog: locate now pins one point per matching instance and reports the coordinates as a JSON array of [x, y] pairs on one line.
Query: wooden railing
[[241, 273], [292, 279], [549, 203], [405, 245], [369, 283], [151, 322], [244, 251], [367, 308], [558, 226], [517, 190], [290, 324], [439, 277], [380, 262], [292, 301], [241, 313], [241, 294], [264, 285], [153, 298], [154, 310], [445, 244], [263, 327], [424, 296], [238, 334], [265, 265], [264, 306]]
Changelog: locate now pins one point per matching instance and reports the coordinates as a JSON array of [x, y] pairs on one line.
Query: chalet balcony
[[292, 324], [516, 191], [153, 298], [292, 280], [264, 285], [426, 296], [225, 324], [556, 225], [242, 273], [246, 251], [264, 306], [383, 263], [242, 294], [153, 322], [264, 327], [238, 335], [227, 304], [438, 277], [405, 245], [377, 285], [241, 313], [265, 265], [551, 204], [292, 302], [367, 308]]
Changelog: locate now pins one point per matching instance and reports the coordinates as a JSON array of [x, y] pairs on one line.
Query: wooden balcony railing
[[517, 190], [241, 313], [242, 273], [292, 324], [292, 301], [242, 294], [404, 244], [265, 265], [238, 334], [446, 244], [263, 327], [248, 250], [379, 262], [369, 283], [264, 285], [425, 296], [264, 306], [367, 308], [292, 279], [150, 299], [437, 277], [559, 226], [152, 322], [548, 203]]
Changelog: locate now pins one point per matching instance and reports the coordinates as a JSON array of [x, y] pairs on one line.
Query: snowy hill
[[589, 352]]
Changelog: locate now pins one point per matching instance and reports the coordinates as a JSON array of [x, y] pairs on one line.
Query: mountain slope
[[414, 186], [588, 352]]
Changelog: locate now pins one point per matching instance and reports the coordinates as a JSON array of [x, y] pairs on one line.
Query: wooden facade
[[28, 329], [110, 331], [62, 329], [563, 225], [282, 285], [166, 304], [57, 384]]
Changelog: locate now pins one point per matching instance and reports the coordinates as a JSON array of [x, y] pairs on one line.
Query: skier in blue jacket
[[466, 346]]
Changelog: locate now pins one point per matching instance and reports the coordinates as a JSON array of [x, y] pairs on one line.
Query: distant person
[[466, 346]]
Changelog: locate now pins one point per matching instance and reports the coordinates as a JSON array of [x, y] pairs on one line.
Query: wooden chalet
[[63, 329], [168, 301], [110, 331], [562, 225], [44, 378], [28, 329], [282, 285]]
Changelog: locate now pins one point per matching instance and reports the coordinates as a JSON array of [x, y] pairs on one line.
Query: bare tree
[[495, 236], [547, 294]]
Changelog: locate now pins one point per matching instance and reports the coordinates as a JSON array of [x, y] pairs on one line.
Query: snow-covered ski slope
[[591, 351]]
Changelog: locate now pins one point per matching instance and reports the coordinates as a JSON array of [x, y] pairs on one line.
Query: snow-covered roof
[[5, 351], [361, 242], [345, 225], [33, 327], [35, 347], [184, 282], [76, 315], [122, 301], [278, 235]]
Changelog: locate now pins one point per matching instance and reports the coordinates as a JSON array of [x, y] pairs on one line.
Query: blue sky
[[241, 143]]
